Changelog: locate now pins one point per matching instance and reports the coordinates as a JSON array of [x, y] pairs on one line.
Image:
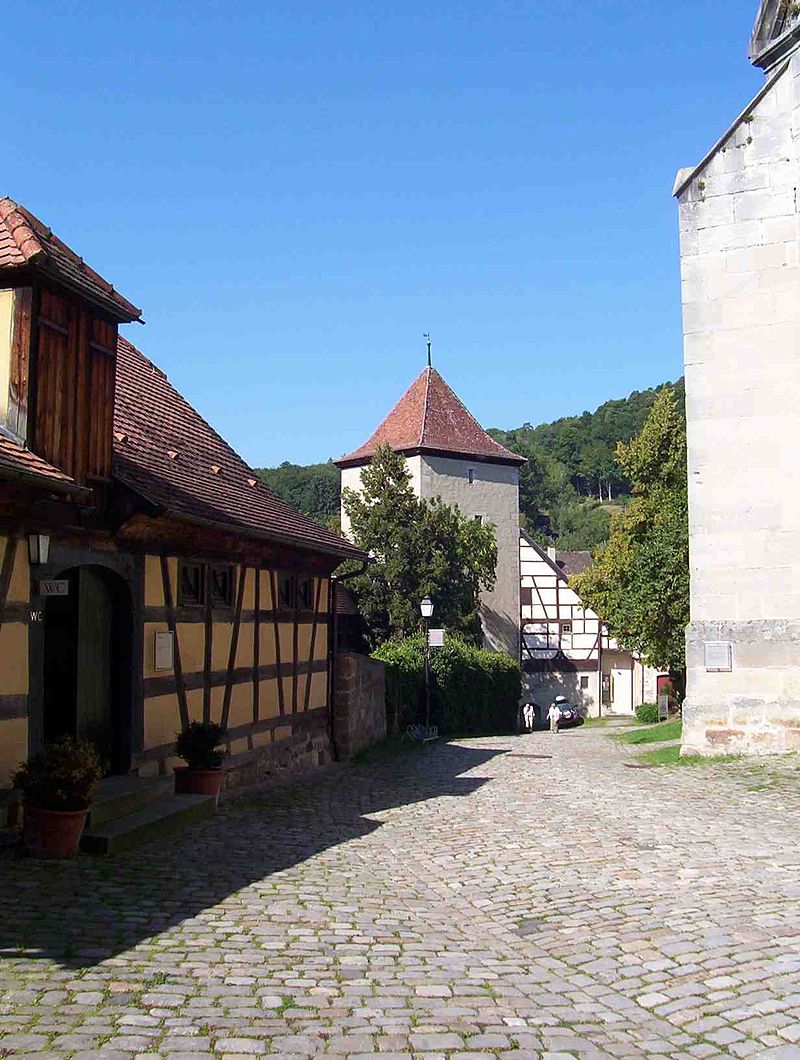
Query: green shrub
[[647, 713], [198, 745], [62, 776], [472, 690]]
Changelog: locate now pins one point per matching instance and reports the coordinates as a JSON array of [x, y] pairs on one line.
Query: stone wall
[[740, 264], [493, 494], [303, 747], [359, 703]]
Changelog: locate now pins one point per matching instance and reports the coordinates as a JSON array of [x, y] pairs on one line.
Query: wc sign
[[54, 587]]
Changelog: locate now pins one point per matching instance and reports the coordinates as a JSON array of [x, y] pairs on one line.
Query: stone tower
[[740, 264], [449, 455]]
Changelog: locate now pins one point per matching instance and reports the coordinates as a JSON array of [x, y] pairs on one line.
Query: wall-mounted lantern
[[38, 548]]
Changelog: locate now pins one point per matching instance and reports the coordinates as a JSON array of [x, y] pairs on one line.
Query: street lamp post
[[426, 608]]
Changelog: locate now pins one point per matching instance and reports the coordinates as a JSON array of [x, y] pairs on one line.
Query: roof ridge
[[22, 232], [424, 419]]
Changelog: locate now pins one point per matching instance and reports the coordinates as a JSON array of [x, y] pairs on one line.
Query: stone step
[[158, 818], [120, 796]]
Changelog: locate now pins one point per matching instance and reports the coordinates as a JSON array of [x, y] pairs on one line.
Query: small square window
[[222, 586], [191, 584], [286, 590], [478, 518], [566, 627], [304, 596]]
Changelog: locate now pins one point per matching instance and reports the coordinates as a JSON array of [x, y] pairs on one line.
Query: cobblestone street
[[471, 900]]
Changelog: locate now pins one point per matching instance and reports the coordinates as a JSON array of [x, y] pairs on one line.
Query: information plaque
[[718, 656], [164, 651]]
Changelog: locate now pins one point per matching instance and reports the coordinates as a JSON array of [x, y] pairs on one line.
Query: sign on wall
[[719, 656], [54, 587], [436, 638], [164, 651]]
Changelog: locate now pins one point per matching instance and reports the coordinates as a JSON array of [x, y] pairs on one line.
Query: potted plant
[[199, 745], [57, 786]]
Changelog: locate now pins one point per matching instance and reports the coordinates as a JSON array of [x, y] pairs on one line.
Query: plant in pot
[[199, 745], [57, 786]]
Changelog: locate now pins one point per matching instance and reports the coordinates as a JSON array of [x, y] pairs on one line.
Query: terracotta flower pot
[[198, 781], [52, 833]]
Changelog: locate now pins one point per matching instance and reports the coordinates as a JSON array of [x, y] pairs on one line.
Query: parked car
[[568, 713]]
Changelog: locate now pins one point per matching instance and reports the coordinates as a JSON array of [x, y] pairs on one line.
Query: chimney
[[551, 553]]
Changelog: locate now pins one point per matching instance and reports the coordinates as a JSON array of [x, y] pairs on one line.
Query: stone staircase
[[128, 810]]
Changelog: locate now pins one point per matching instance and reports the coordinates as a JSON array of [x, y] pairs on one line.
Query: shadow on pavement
[[86, 910]]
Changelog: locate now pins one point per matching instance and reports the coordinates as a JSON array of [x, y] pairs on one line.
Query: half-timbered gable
[[566, 648]]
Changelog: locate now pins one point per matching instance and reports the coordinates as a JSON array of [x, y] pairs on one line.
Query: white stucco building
[[740, 264], [449, 455], [566, 649]]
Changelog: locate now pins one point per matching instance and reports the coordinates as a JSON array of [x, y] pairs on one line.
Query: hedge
[[647, 713], [472, 690]]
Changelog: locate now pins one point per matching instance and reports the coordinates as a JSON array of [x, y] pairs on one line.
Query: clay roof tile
[[429, 417], [26, 242], [210, 482]]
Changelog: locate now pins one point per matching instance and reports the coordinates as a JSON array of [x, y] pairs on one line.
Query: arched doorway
[[87, 663]]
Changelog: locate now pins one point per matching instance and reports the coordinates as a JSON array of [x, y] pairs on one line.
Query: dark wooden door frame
[[130, 570]]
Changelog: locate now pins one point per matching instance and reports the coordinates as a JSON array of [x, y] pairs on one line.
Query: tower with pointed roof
[[740, 266], [449, 455]]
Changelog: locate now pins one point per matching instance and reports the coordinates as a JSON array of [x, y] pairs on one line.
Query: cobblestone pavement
[[470, 900]]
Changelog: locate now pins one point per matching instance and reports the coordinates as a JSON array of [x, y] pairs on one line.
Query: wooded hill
[[568, 488]]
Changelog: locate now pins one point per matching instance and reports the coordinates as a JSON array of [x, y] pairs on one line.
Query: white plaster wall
[[494, 495], [740, 271]]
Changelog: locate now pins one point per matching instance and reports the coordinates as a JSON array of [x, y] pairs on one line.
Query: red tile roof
[[166, 452], [25, 242], [19, 463], [430, 418]]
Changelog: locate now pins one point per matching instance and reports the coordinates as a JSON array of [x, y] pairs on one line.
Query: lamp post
[[426, 608]]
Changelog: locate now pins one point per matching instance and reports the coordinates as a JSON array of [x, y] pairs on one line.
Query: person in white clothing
[[554, 714]]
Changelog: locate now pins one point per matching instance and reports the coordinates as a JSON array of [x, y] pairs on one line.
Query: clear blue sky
[[294, 193]]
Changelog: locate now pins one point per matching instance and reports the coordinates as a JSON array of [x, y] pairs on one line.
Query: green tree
[[313, 490], [420, 548], [639, 583]]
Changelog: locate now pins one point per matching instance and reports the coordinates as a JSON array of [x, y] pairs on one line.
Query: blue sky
[[294, 193]]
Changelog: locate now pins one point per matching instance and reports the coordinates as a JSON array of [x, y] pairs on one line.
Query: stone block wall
[[740, 265], [359, 703]]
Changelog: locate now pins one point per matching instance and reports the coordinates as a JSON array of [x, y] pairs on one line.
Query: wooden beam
[[307, 697], [6, 570], [226, 700], [180, 686], [276, 628]]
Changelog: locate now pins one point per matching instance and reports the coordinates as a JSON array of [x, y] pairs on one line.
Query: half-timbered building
[[566, 648], [148, 577]]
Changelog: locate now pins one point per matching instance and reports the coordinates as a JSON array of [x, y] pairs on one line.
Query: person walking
[[553, 714]]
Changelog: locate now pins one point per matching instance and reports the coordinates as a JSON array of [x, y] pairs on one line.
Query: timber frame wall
[[14, 606], [259, 670]]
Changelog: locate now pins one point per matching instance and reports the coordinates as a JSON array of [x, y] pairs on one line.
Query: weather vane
[[427, 336]]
